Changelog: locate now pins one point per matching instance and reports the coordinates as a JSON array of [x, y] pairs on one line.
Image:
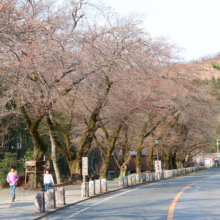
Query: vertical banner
[[158, 166]]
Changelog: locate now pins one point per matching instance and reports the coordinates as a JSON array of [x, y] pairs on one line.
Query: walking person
[[12, 179], [48, 179]]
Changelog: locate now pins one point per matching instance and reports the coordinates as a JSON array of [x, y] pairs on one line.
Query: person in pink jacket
[[12, 179]]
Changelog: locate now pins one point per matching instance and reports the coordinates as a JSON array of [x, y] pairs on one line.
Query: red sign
[[30, 163]]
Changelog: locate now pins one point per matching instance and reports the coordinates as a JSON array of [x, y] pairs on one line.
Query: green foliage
[[215, 92], [215, 66], [212, 147], [10, 105], [215, 83], [29, 156], [205, 82], [9, 159]]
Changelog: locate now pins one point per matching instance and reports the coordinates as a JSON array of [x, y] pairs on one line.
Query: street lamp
[[157, 141], [203, 159]]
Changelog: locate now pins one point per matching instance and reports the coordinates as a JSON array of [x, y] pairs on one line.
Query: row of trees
[[88, 78]]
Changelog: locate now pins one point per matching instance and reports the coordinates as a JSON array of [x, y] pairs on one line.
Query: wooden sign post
[[37, 167], [31, 164], [84, 168]]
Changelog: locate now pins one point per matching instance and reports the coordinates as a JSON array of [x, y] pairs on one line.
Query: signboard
[[158, 166], [218, 154], [30, 163], [85, 166]]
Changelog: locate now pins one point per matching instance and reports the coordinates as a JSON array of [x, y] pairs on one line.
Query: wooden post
[[25, 175]]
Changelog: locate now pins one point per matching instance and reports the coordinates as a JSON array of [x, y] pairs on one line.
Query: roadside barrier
[[135, 179], [41, 203], [96, 187], [50, 199], [104, 185], [61, 196], [91, 188], [85, 189]]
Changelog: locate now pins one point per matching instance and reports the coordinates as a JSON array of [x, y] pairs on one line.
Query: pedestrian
[[12, 179], [48, 179]]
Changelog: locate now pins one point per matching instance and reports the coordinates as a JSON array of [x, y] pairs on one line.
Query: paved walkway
[[23, 207]]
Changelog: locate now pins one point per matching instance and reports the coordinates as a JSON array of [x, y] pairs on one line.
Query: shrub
[[9, 159]]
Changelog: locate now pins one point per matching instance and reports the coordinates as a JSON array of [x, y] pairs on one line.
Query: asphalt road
[[153, 201]]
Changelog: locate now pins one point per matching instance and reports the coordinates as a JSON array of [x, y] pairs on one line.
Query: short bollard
[[91, 188], [158, 175], [121, 181], [61, 196], [133, 179], [140, 178], [98, 187], [147, 177], [137, 178], [130, 180], [50, 199], [39, 203], [176, 172], [165, 174], [125, 178], [85, 190], [104, 185]]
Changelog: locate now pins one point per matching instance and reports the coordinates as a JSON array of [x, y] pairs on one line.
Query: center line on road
[[173, 204]]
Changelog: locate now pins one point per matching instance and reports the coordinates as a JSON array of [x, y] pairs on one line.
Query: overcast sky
[[191, 24]]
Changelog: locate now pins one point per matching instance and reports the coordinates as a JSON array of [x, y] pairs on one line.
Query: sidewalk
[[23, 207]]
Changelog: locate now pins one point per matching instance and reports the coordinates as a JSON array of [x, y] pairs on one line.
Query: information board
[[30, 163], [85, 166]]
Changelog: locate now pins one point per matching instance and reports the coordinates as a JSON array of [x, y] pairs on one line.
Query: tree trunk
[[174, 161], [104, 168], [150, 158], [138, 158], [123, 170], [40, 146], [144, 134], [54, 159]]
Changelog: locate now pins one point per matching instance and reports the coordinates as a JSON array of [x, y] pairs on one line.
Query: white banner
[[158, 166]]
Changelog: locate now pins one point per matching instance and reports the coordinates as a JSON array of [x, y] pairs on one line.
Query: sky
[[191, 24]]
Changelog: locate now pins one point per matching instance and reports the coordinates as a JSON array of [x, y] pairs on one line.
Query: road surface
[[155, 200]]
